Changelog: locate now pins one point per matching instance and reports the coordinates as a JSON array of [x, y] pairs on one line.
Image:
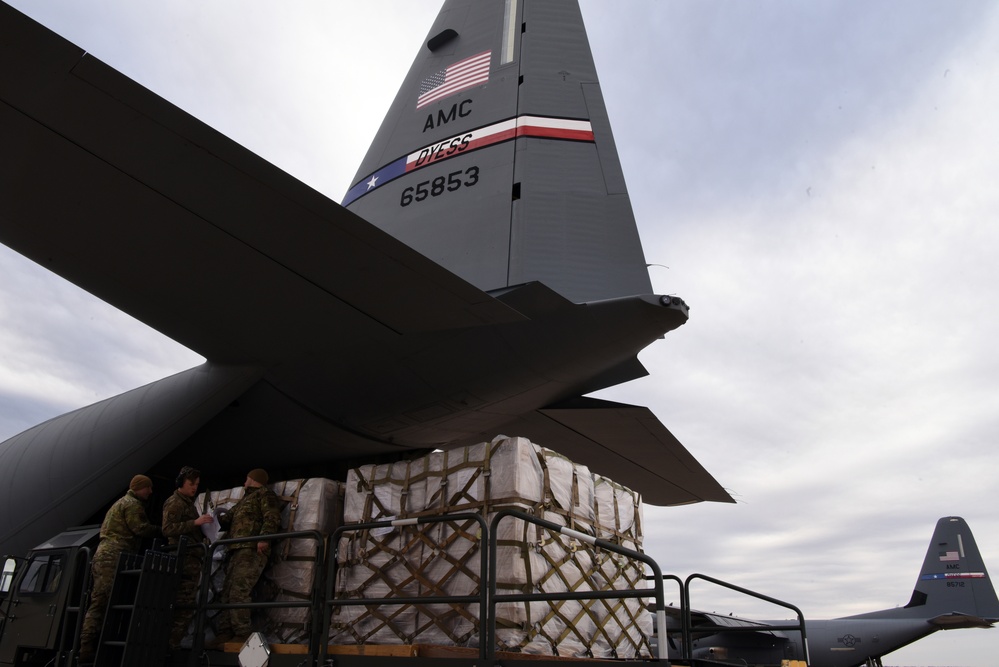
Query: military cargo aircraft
[[483, 274], [953, 590]]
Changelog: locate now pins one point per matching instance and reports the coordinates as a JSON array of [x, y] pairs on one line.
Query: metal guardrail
[[314, 601], [688, 641], [322, 599], [487, 598]]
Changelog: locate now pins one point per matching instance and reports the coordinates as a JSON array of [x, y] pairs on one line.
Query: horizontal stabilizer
[[626, 443], [958, 621]]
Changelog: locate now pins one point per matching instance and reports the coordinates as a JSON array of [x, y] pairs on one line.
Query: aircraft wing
[[145, 184], [715, 635], [706, 623]]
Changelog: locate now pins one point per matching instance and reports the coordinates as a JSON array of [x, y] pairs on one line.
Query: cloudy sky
[[820, 179]]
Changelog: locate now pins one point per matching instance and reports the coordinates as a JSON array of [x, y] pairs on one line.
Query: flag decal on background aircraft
[[947, 556], [565, 129], [953, 575], [466, 73]]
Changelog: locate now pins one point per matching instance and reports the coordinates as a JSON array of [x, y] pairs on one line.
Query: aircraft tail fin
[[953, 577], [953, 589], [496, 159]]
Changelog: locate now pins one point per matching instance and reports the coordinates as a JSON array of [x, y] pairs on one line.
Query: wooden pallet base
[[404, 651]]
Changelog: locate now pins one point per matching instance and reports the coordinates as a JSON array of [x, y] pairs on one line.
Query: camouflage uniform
[[256, 514], [124, 527], [179, 514]]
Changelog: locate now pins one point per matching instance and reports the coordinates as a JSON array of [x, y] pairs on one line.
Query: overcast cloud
[[820, 179]]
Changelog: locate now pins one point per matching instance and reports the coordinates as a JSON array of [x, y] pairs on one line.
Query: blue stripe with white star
[[953, 575], [389, 172]]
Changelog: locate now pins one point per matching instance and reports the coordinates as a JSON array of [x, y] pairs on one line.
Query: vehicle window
[[42, 575], [54, 574], [7, 576], [34, 575]]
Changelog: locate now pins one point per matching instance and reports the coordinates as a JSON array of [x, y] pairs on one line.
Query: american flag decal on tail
[[472, 71]]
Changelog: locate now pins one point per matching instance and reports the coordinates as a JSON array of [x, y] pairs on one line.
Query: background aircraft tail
[[953, 589]]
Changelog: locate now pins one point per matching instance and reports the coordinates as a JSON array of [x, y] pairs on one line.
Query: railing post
[[800, 627], [661, 622]]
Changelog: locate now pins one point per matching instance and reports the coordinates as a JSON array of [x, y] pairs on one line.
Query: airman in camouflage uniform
[[125, 525], [181, 519], [257, 513]]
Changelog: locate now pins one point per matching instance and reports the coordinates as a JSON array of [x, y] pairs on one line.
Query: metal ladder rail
[[489, 639], [800, 627], [121, 598], [330, 601], [68, 644], [186, 544]]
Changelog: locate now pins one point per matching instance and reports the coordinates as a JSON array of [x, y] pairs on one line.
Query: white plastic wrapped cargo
[[373, 563], [441, 558], [444, 558], [308, 504], [624, 624], [531, 559]]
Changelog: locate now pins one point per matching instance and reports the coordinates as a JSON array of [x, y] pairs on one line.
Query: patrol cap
[[139, 482], [258, 475]]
